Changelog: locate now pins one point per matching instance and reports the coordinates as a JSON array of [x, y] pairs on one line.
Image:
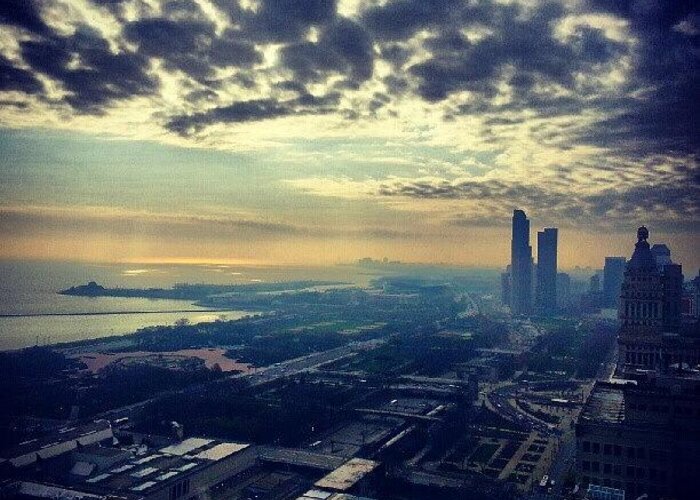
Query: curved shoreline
[[108, 313]]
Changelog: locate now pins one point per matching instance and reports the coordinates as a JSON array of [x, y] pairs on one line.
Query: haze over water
[[33, 312]]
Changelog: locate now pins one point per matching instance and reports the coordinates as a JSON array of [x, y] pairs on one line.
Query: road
[[256, 378], [499, 401], [562, 462]]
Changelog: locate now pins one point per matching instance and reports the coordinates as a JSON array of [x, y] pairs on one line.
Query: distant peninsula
[[197, 292], [92, 289]]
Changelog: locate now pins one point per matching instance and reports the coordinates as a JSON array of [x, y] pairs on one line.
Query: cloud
[[399, 19], [90, 73], [126, 222], [523, 52], [630, 67], [23, 14], [667, 71], [13, 78], [191, 45], [538, 94], [284, 20], [344, 47], [121, 223], [676, 204], [253, 110]]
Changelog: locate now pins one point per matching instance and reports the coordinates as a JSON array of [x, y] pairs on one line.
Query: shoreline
[[121, 340], [108, 313]]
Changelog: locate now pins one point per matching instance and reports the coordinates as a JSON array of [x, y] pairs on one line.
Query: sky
[[277, 132]]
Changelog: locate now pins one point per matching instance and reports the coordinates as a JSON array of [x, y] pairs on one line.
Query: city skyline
[[349, 249], [295, 132]]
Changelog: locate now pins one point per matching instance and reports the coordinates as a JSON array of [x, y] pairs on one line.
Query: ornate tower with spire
[[641, 310]]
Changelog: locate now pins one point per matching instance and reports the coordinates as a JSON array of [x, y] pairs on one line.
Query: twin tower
[[523, 276]]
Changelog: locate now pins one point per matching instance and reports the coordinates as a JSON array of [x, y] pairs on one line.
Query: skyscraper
[[563, 290], [505, 287], [613, 274], [546, 289], [521, 265], [672, 284], [662, 254]]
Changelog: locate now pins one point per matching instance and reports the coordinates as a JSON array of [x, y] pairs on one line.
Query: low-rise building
[[187, 469], [351, 477]]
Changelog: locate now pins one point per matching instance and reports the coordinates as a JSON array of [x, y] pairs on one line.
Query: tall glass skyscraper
[[521, 265], [546, 291]]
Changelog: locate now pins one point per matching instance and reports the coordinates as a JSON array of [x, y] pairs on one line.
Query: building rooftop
[[38, 490], [605, 405], [220, 451], [302, 458], [347, 475], [155, 469], [186, 446], [325, 495], [57, 443]]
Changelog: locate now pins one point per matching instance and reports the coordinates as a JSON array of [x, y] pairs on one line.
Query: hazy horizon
[[273, 132]]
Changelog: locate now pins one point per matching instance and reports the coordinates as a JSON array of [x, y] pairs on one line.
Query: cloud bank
[[584, 112]]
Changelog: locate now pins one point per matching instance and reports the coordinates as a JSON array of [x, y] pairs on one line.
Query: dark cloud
[[184, 9], [378, 101], [13, 78], [344, 47], [353, 44], [292, 86], [14, 103], [674, 202], [521, 42], [23, 14], [395, 53], [229, 50], [279, 21], [191, 45], [101, 77], [665, 117], [238, 112], [399, 19], [395, 85], [117, 7], [202, 95], [253, 110], [134, 225], [311, 61], [654, 111], [177, 42]]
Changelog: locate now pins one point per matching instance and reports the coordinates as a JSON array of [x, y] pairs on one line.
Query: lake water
[[28, 293], [42, 316]]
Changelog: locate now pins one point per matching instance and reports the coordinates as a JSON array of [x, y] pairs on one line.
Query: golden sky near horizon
[[321, 131]]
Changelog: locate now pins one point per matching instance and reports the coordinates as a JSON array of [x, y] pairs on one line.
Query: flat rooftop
[[347, 475], [605, 405], [38, 490], [325, 495], [303, 458], [57, 443], [155, 469]]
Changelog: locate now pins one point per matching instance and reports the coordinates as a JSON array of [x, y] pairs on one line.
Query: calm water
[[28, 290]]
